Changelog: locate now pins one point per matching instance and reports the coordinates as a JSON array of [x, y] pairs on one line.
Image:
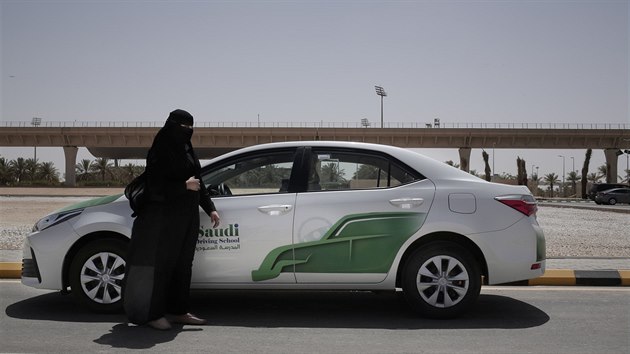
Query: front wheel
[[441, 280], [96, 275], [612, 201]]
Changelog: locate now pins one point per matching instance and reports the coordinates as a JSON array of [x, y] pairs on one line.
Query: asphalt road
[[506, 319]]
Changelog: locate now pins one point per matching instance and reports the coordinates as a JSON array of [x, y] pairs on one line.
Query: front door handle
[[406, 203], [275, 209]]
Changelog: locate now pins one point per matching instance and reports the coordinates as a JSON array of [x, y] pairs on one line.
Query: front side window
[[252, 174], [344, 170]]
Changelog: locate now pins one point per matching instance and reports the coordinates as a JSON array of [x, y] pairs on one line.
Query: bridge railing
[[321, 124]]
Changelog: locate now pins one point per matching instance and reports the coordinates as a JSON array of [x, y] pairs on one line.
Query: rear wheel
[[612, 201], [96, 275], [441, 280]]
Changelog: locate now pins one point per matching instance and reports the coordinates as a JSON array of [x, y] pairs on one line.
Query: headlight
[[56, 218]]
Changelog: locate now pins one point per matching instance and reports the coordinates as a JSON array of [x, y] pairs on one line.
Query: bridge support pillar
[[464, 159], [611, 164], [70, 153]]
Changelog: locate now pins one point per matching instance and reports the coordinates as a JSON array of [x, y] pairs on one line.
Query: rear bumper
[[514, 254]]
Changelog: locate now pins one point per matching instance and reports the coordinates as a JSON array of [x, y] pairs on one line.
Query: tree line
[[104, 172], [101, 172]]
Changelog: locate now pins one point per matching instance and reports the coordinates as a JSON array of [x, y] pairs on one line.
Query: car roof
[[616, 189]]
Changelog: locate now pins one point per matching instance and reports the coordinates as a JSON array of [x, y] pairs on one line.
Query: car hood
[[91, 202]]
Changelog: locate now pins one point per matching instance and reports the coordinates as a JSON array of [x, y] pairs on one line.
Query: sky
[[461, 61]]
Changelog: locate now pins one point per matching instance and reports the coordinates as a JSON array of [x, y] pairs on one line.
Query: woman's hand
[[192, 184], [214, 216]]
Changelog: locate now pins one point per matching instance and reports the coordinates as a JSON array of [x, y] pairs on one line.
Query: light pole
[[381, 92], [562, 174], [35, 122], [493, 173], [573, 162]]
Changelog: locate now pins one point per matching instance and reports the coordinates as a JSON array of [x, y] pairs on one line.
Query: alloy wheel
[[102, 276], [442, 281]]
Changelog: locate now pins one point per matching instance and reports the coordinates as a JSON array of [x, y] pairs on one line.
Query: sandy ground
[[569, 232]]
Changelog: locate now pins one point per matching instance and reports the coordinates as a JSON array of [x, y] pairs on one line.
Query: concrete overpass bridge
[[131, 140]]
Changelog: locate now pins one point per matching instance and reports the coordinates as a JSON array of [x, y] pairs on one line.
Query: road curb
[[10, 270], [555, 277]]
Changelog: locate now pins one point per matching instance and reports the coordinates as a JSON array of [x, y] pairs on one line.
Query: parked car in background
[[598, 187], [613, 196], [317, 215]]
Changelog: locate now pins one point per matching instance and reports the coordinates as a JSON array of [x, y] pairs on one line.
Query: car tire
[[432, 292], [96, 275], [612, 201]]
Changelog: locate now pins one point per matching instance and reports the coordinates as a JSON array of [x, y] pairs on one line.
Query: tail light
[[526, 204]]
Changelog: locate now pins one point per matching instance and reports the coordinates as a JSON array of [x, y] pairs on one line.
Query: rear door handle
[[406, 203], [275, 209]]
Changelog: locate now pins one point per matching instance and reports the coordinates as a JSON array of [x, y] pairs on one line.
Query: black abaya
[[164, 234]]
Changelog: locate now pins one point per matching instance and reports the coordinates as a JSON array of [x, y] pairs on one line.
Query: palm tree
[[573, 177], [551, 179], [603, 172], [366, 172], [587, 161], [485, 156], [521, 171], [101, 166], [5, 172], [18, 168], [48, 172], [131, 171], [83, 169], [331, 172], [535, 181], [593, 177], [31, 168], [451, 163]]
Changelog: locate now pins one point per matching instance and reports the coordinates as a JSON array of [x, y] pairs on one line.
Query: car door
[[256, 209], [358, 209]]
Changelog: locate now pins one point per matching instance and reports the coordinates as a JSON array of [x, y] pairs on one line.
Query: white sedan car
[[319, 216]]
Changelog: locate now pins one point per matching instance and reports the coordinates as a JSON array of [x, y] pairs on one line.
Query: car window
[[252, 174], [347, 170]]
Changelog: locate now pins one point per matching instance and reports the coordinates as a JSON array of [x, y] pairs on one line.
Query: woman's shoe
[[161, 324], [189, 319]]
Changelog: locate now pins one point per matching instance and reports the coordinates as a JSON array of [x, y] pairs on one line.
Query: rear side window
[[348, 170]]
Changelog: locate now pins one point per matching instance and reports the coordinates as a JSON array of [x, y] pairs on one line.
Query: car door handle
[[275, 209], [407, 203]]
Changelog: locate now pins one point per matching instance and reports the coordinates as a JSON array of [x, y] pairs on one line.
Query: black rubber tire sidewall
[[115, 246], [418, 258]]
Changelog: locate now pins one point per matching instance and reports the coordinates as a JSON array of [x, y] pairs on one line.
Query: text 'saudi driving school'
[[316, 215]]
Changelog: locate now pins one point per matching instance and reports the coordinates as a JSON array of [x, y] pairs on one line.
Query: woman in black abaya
[[164, 233]]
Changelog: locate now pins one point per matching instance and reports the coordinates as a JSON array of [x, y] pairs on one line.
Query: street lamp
[[381, 92], [35, 122], [493, 173], [562, 174]]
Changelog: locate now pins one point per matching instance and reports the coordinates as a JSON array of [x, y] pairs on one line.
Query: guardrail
[[398, 125]]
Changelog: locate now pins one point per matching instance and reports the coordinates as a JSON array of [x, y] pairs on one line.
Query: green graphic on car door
[[358, 243]]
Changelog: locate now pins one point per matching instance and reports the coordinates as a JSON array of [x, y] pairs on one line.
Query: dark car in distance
[[599, 187], [613, 196]]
